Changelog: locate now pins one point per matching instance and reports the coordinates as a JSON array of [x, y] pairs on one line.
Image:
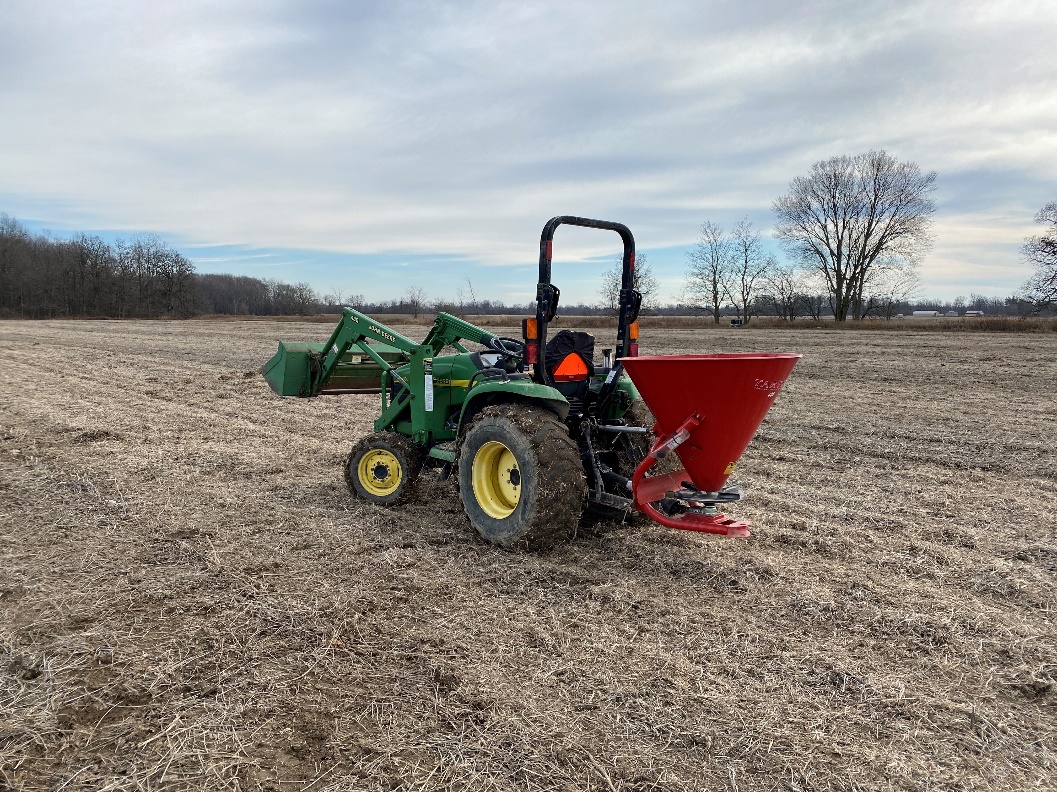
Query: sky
[[365, 147]]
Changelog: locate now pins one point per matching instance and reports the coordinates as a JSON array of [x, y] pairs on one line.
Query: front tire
[[521, 480], [382, 467]]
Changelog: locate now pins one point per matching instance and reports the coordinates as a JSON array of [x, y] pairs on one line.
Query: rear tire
[[382, 467], [521, 480]]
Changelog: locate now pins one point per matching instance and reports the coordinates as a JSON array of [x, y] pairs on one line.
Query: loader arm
[[449, 330], [357, 329]]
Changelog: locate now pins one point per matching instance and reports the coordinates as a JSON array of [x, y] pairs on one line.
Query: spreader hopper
[[707, 408]]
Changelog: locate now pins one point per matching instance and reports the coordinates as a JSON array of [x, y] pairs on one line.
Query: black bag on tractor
[[570, 359], [535, 429]]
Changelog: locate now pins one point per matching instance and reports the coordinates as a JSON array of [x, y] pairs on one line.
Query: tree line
[[854, 231], [41, 276]]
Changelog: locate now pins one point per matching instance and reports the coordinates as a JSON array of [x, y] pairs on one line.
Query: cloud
[[457, 129]]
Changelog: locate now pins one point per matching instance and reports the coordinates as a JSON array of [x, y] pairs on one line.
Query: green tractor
[[534, 429]]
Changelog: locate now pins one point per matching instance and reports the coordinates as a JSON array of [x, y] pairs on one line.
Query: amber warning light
[[530, 331]]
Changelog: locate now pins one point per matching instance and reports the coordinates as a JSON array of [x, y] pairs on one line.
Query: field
[[189, 598]]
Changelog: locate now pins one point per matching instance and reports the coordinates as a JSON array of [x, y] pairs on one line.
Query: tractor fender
[[519, 391]]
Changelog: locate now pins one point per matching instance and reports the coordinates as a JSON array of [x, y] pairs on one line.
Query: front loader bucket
[[294, 368], [707, 409], [287, 373]]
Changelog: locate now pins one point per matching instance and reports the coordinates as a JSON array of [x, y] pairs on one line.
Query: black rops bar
[[547, 294]]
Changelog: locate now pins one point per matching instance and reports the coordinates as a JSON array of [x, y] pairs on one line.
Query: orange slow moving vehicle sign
[[571, 369]]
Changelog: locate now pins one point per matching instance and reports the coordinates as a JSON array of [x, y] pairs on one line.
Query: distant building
[[925, 313], [974, 313], [951, 313]]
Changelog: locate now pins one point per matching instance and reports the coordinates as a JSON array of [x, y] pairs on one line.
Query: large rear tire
[[521, 480], [382, 467]]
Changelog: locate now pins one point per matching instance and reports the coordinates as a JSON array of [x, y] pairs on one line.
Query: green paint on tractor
[[534, 430]]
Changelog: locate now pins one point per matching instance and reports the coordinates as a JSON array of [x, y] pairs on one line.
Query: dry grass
[[189, 599]]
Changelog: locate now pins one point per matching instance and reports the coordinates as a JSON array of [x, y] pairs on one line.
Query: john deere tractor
[[533, 427]]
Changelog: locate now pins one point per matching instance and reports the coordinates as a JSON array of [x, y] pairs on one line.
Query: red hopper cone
[[707, 407]]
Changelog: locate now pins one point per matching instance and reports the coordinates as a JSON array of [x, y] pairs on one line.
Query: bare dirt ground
[[190, 599]]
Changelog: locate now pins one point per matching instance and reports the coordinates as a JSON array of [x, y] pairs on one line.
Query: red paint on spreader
[[708, 407], [730, 393]]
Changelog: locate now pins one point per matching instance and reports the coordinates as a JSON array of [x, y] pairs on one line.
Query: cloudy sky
[[367, 146]]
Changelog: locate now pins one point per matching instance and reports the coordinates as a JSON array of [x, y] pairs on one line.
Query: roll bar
[[547, 294]]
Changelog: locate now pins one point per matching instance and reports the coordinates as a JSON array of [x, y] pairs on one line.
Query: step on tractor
[[535, 428]]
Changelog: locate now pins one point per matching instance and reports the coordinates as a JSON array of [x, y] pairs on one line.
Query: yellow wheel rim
[[379, 472], [496, 480]]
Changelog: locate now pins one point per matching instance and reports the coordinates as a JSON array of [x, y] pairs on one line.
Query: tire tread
[[409, 452], [560, 499]]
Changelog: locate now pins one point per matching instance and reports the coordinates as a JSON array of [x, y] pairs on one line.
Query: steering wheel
[[509, 348], [514, 347]]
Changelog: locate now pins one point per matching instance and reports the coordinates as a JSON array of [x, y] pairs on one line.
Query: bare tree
[[303, 298], [97, 264], [1041, 289], [467, 298], [645, 283], [813, 304], [176, 276], [139, 259], [335, 297], [415, 299], [338, 297], [784, 291], [749, 266], [709, 267], [853, 215], [897, 289]]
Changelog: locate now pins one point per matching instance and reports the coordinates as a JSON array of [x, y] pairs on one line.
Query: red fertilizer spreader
[[707, 408]]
